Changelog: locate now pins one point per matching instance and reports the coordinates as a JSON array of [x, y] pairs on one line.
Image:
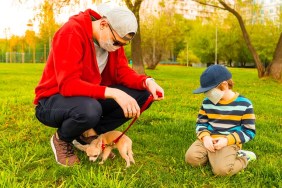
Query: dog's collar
[[103, 146], [106, 145]]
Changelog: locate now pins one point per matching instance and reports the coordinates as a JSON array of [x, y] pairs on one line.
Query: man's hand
[[208, 143], [219, 143], [154, 88], [128, 104]]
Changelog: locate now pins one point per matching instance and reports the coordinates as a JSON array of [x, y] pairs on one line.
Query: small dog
[[103, 145]]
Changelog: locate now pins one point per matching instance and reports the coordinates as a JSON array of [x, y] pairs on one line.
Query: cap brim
[[203, 89]]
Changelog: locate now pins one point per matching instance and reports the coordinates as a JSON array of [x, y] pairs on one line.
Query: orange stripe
[[248, 116], [224, 117], [238, 140], [202, 112]]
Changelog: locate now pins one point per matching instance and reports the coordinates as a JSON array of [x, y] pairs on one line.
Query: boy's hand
[[208, 143], [219, 143]]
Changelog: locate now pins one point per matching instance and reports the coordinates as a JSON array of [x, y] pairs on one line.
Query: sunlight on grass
[[160, 136]]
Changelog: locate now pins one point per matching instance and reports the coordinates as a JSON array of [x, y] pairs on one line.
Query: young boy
[[225, 121]]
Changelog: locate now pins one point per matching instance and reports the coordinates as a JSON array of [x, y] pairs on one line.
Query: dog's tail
[[79, 145]]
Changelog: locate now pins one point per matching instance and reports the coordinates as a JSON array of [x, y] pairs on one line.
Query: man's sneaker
[[251, 156], [64, 152], [87, 140]]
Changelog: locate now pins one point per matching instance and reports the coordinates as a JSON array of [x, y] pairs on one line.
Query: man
[[86, 83]]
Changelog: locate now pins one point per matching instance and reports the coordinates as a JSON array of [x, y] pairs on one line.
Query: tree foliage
[[48, 25], [220, 4], [162, 36], [169, 37]]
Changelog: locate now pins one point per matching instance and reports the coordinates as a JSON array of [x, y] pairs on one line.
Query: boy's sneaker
[[63, 151], [251, 156]]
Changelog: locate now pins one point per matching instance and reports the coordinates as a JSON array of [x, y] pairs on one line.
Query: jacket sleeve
[[127, 76], [67, 55]]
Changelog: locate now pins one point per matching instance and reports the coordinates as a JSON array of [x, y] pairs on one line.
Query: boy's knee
[[195, 159], [222, 170]]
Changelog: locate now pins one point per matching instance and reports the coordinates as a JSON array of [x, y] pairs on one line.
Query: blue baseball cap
[[212, 77]]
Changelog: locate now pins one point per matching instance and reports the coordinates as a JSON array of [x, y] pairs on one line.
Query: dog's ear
[[87, 151], [80, 146]]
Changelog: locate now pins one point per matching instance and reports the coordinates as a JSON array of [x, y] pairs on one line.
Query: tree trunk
[[136, 54], [136, 50], [153, 62], [230, 62], [259, 65], [274, 69]]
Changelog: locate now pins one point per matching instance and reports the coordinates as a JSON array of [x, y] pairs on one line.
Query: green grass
[[160, 137]]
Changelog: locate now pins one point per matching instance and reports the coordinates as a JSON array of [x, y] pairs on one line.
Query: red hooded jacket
[[72, 68]]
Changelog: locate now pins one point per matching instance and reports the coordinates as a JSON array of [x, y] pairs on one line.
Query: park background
[[175, 51]]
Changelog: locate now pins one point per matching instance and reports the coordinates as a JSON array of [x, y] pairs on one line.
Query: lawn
[[160, 137]]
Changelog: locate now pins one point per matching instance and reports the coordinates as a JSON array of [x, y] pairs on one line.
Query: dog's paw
[[93, 159], [112, 155]]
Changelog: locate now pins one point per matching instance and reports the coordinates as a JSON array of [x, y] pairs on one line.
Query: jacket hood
[[84, 19]]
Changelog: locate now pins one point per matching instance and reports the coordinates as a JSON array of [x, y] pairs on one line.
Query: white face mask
[[107, 45], [214, 95]]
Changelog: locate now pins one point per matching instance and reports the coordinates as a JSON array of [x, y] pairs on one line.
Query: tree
[[15, 46], [136, 50], [276, 62], [264, 37], [275, 67], [163, 36], [229, 41], [243, 55], [152, 39], [203, 41], [30, 39], [157, 39], [185, 56], [48, 25]]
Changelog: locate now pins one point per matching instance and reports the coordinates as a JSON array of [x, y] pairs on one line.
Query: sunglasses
[[116, 42]]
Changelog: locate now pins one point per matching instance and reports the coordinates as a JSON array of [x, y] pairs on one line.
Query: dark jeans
[[74, 115]]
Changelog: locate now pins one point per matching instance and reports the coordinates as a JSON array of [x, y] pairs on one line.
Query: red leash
[[146, 104]]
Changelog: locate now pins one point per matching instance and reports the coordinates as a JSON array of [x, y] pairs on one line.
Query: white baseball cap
[[122, 20]]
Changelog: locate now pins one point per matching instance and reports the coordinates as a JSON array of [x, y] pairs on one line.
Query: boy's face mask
[[214, 95]]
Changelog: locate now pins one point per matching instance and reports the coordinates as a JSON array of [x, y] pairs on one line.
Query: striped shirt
[[233, 119]]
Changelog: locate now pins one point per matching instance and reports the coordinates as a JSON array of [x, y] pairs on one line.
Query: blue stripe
[[251, 133], [205, 126], [235, 129], [235, 112], [224, 108], [240, 98], [249, 121], [242, 137]]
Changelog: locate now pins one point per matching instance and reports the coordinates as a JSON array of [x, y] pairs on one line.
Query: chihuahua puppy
[[103, 145]]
